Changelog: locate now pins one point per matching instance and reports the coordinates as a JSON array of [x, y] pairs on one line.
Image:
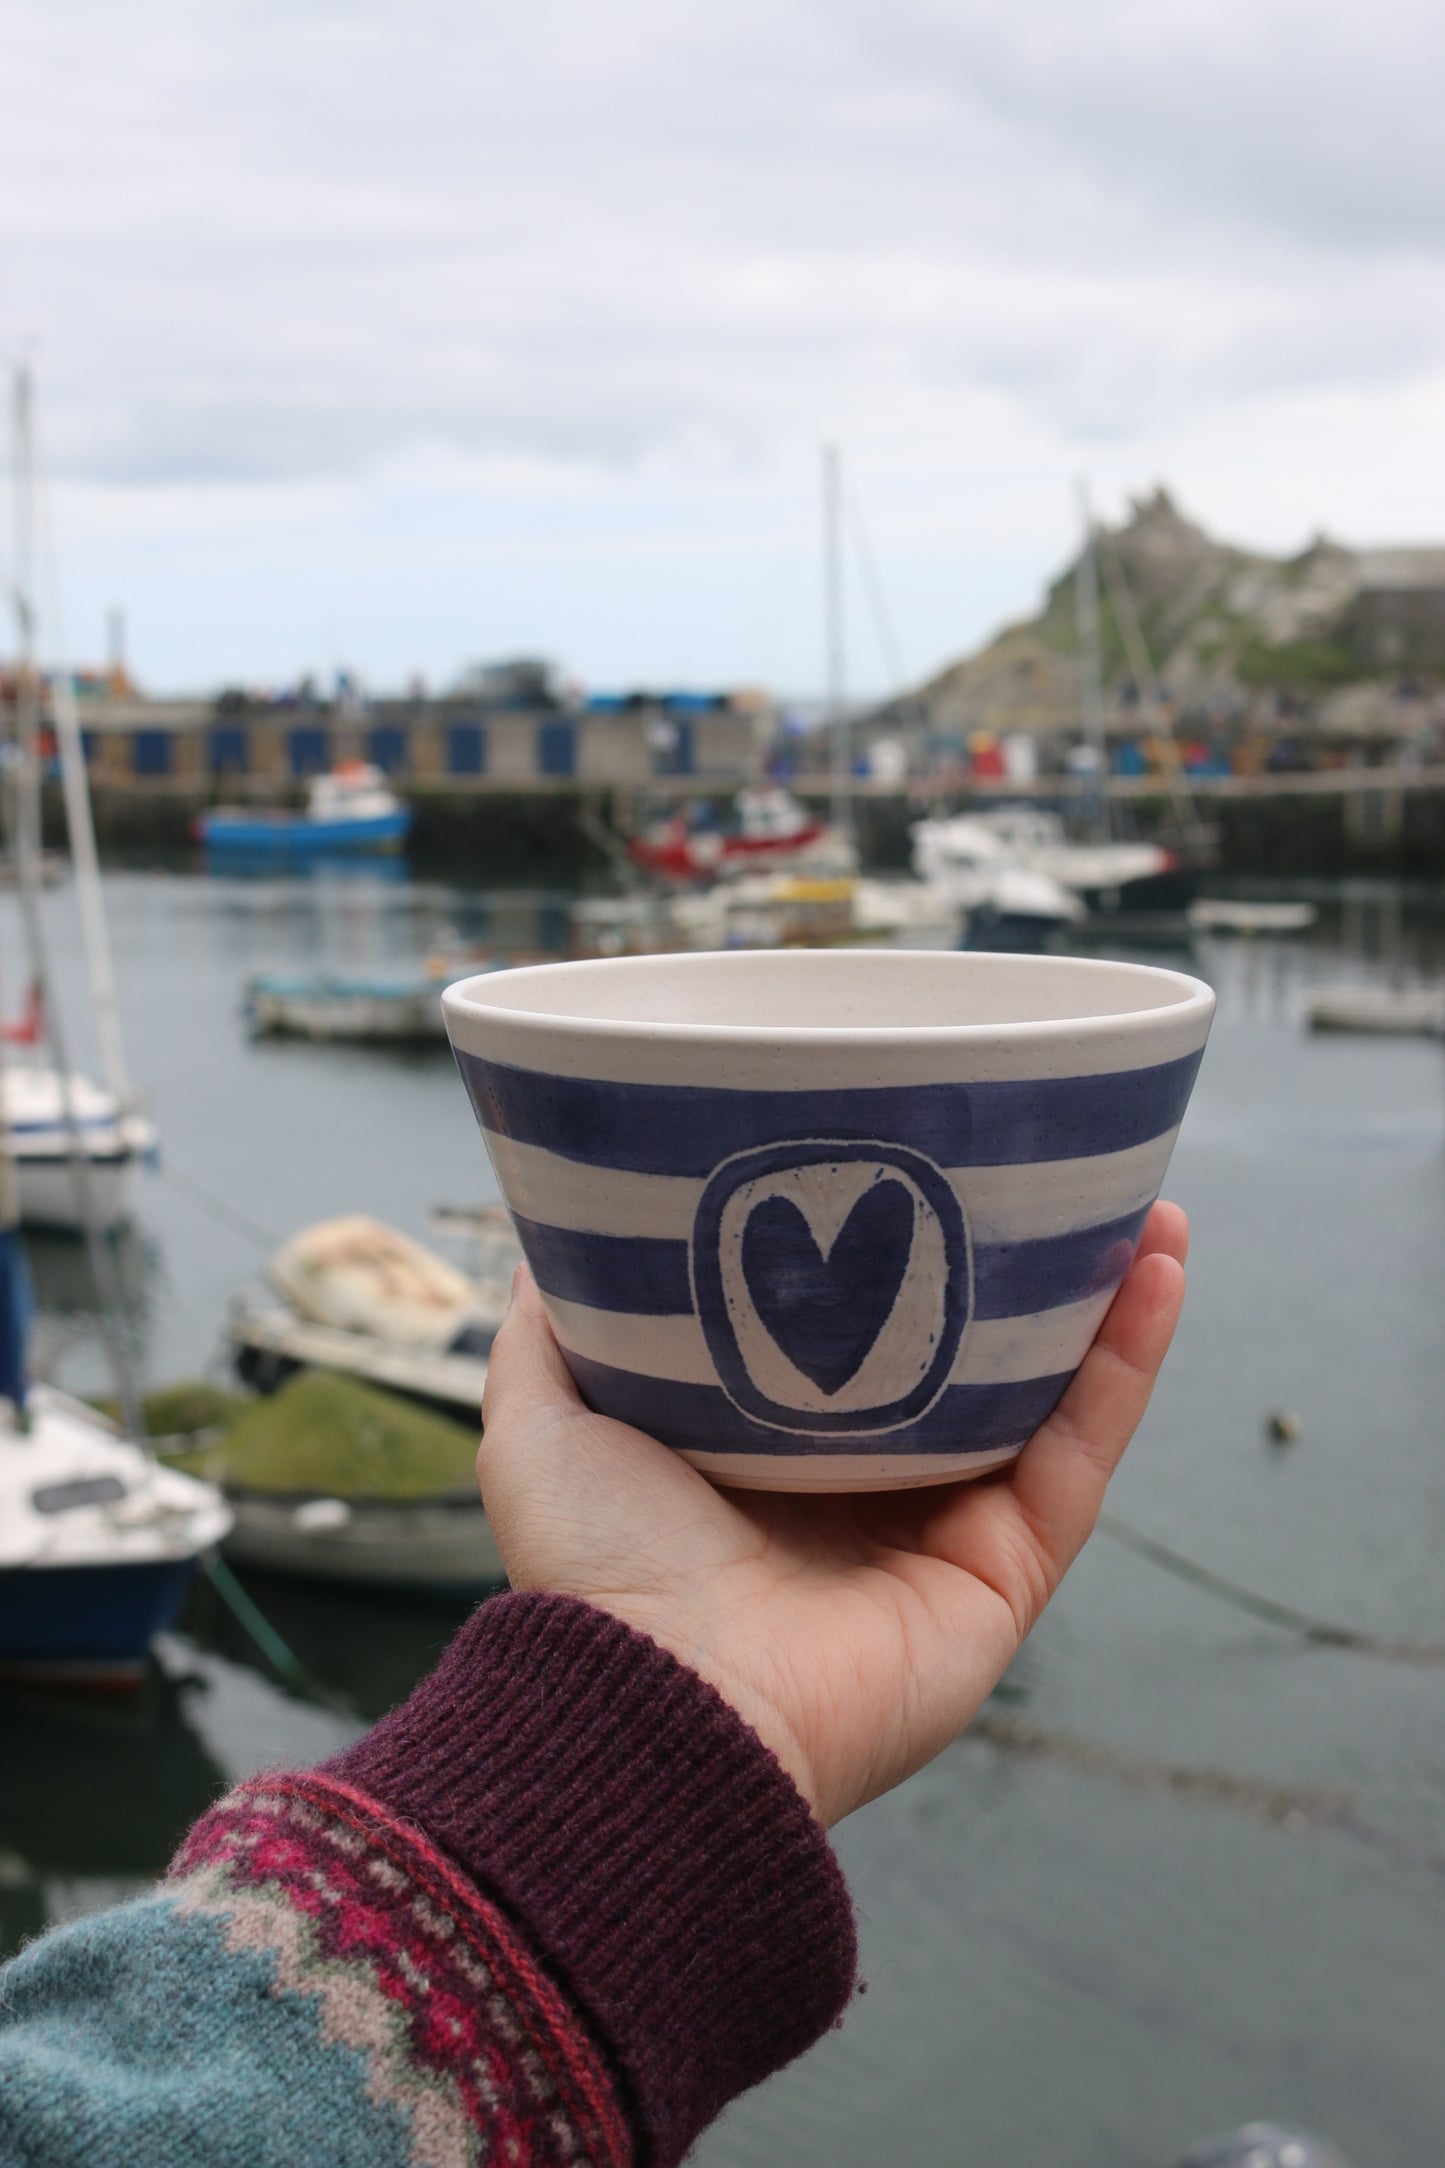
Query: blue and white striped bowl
[[829, 1219]]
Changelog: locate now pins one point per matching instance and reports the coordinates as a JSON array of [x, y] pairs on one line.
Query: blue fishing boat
[[349, 810]]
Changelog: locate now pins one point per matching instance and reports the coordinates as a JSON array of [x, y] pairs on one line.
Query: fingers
[[1064, 1470], [1166, 1232]]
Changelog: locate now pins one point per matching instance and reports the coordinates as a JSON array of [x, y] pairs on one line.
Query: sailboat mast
[[25, 850], [1091, 681], [85, 864], [27, 683], [840, 798]]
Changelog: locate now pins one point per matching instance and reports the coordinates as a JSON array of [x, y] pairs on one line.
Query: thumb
[[527, 1374]]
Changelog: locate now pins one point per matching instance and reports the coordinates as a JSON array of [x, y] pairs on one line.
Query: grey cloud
[[304, 239]]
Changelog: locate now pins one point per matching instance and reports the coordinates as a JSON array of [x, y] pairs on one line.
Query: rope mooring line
[[1327, 1633], [272, 1644]]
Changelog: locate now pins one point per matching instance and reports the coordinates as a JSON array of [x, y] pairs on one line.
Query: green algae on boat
[[327, 1435], [180, 1410]]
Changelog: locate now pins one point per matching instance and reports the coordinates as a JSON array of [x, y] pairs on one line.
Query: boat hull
[[429, 1547], [270, 1345], [704, 856], [90, 1624], [335, 1009], [289, 836], [1380, 1012], [1172, 888], [1010, 933], [46, 1185]]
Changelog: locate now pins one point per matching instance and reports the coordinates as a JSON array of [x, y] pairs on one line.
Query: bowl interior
[[800, 991]]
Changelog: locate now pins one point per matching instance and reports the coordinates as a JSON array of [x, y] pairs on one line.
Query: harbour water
[[1192, 1868]]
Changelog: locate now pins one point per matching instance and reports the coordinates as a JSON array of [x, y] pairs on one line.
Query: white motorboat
[[113, 1139], [1007, 902], [1104, 875], [98, 1544]]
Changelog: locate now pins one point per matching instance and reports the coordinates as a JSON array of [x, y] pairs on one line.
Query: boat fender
[[321, 1517]]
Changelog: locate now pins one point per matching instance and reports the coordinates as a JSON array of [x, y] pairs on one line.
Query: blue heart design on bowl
[[826, 1312]]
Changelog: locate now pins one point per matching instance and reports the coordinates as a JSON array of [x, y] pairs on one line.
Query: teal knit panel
[[143, 2038]]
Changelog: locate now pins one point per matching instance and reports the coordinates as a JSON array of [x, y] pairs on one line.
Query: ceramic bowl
[[829, 1219]]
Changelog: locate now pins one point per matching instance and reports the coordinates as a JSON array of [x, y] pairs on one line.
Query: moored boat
[[367, 1301], [332, 1479], [768, 828], [1105, 873], [433, 1546], [1380, 1011], [98, 1545], [344, 1006], [1006, 903], [350, 809], [1228, 914], [113, 1138]]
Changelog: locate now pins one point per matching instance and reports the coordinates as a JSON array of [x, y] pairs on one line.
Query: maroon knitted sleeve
[[644, 1843]]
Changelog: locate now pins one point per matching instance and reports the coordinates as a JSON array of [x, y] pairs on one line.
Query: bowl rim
[[1195, 1003]]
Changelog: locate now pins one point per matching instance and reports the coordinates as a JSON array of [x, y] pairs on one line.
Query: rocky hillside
[[1329, 635]]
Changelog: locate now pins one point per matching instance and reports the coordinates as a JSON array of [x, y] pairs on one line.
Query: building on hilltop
[[1399, 611], [1246, 661]]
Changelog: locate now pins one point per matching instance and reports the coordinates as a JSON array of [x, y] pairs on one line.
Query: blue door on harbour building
[[151, 752], [308, 750], [387, 747], [672, 746], [466, 749], [557, 748], [228, 749]]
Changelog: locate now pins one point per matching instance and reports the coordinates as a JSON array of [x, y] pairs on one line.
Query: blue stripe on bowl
[[701, 1418], [689, 1129], [649, 1278]]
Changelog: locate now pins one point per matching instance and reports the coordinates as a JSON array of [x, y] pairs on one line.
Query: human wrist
[[619, 1804], [675, 1631]]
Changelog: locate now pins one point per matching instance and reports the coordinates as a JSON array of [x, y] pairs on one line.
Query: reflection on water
[[1190, 1871], [67, 1321]]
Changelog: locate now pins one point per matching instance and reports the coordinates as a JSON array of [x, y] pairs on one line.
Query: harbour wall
[[1270, 827]]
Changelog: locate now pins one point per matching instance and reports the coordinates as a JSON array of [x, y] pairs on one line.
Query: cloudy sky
[[403, 334]]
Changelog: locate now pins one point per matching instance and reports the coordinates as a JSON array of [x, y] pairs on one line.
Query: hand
[[859, 1634]]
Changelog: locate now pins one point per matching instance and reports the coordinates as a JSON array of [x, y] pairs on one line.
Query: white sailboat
[[98, 1544], [55, 1113]]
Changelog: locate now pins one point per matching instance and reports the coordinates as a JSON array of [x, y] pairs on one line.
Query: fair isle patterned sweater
[[560, 1906]]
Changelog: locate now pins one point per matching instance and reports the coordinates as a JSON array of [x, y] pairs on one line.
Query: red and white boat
[[770, 828]]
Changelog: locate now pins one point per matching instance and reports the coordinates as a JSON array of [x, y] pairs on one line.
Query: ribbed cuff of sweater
[[662, 1862]]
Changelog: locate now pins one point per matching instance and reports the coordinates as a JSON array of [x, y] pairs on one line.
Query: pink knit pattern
[[486, 2032]]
